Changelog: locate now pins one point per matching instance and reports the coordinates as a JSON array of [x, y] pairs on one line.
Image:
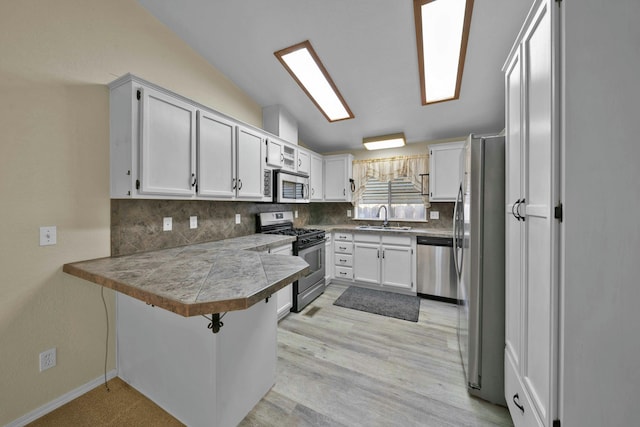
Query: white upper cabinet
[[249, 179], [164, 146], [167, 148], [316, 178], [444, 171], [274, 156], [337, 177], [304, 162], [216, 156]]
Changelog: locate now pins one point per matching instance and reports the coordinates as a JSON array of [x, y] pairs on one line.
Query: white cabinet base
[[201, 378]]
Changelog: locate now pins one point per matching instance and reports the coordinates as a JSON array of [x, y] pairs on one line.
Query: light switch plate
[[237, 218], [167, 223], [48, 235], [348, 213], [295, 214], [193, 222], [434, 215]]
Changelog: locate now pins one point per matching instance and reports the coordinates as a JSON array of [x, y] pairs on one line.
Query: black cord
[[106, 350]]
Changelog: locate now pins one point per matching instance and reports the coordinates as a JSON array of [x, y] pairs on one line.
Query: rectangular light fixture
[[442, 31], [385, 141], [304, 65]]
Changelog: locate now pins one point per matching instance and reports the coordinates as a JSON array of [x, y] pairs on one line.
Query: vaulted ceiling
[[368, 47]]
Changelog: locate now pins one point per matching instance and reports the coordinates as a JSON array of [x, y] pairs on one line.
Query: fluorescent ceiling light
[[384, 141], [305, 67], [442, 31]]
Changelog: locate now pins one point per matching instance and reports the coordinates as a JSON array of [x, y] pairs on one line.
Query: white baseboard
[[58, 402]]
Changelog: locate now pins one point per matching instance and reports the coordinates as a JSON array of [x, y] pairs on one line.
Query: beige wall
[[55, 60]]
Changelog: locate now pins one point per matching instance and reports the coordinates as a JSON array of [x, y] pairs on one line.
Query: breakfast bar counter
[[168, 303]]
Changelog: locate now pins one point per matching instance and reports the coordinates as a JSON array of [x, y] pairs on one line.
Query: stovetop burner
[[294, 231]]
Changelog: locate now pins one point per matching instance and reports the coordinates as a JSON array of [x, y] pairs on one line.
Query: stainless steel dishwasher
[[436, 269]]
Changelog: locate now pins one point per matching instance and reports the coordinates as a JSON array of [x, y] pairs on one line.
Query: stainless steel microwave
[[290, 187]]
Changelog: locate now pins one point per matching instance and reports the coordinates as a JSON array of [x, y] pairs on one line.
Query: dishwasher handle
[[435, 241]]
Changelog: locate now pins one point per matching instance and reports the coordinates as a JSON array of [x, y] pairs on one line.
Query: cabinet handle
[[343, 260], [239, 184], [516, 401], [233, 184], [342, 248], [193, 184], [520, 217], [378, 253], [515, 215], [313, 191], [281, 158], [344, 192], [343, 273], [299, 162], [383, 254]]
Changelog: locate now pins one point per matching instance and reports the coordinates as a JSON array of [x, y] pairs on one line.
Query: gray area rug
[[390, 304]]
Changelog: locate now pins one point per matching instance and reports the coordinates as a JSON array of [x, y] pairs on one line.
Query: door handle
[[515, 215], [516, 401], [518, 210]]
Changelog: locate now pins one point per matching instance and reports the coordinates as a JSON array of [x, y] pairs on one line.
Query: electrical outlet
[[193, 222], [237, 218], [47, 359], [295, 214], [167, 223], [434, 215], [348, 213], [48, 235]]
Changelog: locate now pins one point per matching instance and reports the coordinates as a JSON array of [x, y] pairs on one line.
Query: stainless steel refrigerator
[[479, 259]]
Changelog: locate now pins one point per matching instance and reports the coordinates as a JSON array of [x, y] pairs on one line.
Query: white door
[[304, 162], [397, 267], [444, 171], [275, 157], [366, 263], [514, 227], [216, 156], [168, 142], [316, 178], [532, 325], [335, 179], [249, 176]]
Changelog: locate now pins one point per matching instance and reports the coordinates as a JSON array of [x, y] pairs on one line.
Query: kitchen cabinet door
[[304, 162], [275, 158], [316, 178], [444, 171], [397, 267], [168, 145], [532, 232], [249, 177], [216, 156], [337, 174], [366, 263]]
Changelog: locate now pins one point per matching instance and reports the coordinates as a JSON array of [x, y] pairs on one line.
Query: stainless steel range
[[309, 245]]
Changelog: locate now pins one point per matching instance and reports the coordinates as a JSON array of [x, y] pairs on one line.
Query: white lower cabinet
[[377, 260], [284, 297]]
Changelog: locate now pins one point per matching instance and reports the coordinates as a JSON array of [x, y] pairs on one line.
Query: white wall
[[601, 364], [56, 58]]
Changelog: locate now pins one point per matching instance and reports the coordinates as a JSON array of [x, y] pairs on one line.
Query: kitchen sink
[[381, 227]]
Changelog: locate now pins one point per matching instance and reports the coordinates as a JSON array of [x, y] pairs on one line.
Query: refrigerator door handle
[[456, 231]]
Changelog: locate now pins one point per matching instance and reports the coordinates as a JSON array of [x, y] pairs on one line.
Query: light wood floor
[[342, 367], [336, 367]]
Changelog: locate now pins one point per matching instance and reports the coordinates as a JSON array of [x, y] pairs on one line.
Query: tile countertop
[[415, 231], [205, 278]]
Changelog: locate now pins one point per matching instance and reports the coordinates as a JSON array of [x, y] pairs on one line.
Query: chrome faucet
[[385, 223]]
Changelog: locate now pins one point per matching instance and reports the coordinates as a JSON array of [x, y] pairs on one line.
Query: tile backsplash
[[136, 225]]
